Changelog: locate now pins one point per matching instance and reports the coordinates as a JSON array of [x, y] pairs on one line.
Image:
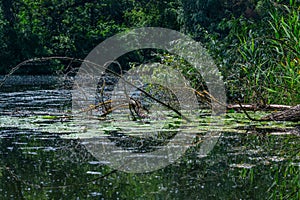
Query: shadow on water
[[41, 164]]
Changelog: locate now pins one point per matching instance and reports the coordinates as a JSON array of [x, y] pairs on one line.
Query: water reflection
[[43, 165], [40, 166]]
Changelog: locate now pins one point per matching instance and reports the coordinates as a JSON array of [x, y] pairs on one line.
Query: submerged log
[[291, 114]]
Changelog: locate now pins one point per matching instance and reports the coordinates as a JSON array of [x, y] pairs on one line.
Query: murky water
[[40, 160]]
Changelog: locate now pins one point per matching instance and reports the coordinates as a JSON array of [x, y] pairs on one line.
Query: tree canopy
[[252, 41]]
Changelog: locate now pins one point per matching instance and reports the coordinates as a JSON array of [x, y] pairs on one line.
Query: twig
[[249, 117]]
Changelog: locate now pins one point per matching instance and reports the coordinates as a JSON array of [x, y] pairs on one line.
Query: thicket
[[255, 43]]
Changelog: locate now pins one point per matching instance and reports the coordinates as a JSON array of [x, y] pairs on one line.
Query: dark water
[[42, 165]]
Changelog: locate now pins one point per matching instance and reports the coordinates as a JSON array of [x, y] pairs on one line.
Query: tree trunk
[[292, 114]]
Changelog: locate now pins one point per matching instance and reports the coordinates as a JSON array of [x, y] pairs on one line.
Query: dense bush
[[261, 58], [254, 43]]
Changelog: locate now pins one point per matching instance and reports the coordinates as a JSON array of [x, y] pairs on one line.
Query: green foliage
[[152, 13], [286, 47], [259, 54], [254, 43], [190, 73], [3, 41], [47, 28], [72, 28]]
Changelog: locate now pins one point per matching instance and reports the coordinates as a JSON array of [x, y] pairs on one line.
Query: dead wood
[[255, 107], [291, 114]]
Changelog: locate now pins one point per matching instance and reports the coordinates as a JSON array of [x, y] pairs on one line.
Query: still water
[[43, 163]]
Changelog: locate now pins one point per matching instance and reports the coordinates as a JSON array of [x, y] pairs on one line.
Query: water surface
[[41, 160]]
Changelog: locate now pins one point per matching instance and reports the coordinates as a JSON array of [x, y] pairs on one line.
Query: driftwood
[[291, 114], [254, 107]]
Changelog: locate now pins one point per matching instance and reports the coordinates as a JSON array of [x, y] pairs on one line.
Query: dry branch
[[292, 114], [254, 107]]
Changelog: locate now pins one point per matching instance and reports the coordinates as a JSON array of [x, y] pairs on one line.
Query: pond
[[45, 154]]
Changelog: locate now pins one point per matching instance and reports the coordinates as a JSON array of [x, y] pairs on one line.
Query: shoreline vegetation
[[49, 143], [282, 112], [255, 44]]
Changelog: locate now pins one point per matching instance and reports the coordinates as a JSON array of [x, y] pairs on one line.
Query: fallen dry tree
[[286, 113], [291, 114], [255, 107], [132, 103]]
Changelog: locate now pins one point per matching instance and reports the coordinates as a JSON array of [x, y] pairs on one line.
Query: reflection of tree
[[44, 163], [11, 161], [141, 144], [240, 166]]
